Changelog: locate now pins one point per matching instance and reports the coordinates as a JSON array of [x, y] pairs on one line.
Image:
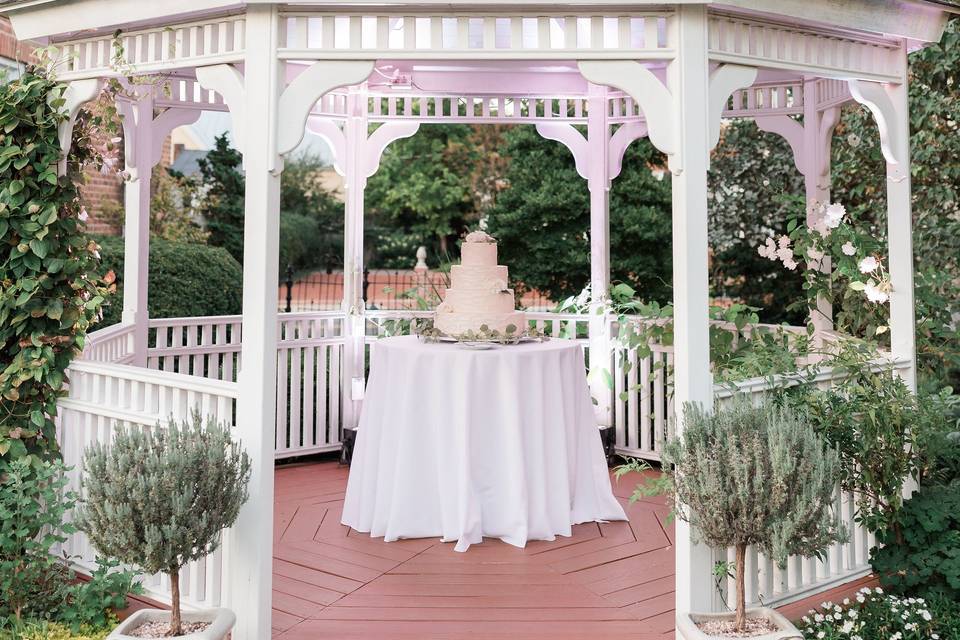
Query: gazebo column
[[138, 143], [890, 108], [683, 121], [253, 99], [598, 182], [356, 157], [689, 84], [592, 158], [811, 144], [353, 305], [143, 143]]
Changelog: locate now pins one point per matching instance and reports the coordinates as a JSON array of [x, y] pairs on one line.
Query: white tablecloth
[[462, 444]]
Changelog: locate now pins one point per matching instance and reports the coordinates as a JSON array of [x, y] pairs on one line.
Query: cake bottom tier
[[456, 324]]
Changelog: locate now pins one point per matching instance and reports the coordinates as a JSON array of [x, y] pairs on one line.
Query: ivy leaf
[[55, 310], [15, 187], [36, 417], [40, 248]]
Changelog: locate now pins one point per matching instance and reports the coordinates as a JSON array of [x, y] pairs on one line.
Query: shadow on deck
[[613, 580]]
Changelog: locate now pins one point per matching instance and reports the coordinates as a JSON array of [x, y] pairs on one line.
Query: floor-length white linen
[[462, 444]]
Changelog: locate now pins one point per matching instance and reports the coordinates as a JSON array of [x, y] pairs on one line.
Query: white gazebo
[[363, 74]]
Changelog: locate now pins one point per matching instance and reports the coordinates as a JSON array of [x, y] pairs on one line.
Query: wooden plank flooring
[[612, 580]]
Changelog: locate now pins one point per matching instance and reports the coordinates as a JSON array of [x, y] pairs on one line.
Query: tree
[[222, 205], [749, 474], [159, 498], [542, 219], [423, 189]]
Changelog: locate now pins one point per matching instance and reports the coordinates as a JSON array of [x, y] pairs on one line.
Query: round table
[[462, 444]]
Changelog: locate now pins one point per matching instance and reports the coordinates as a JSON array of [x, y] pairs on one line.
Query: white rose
[[848, 249], [868, 264], [833, 215], [875, 294]]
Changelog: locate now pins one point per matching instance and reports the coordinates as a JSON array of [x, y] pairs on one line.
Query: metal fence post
[[366, 285], [289, 284]]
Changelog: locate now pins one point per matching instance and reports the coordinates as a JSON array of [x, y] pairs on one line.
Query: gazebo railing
[[193, 363], [104, 395]]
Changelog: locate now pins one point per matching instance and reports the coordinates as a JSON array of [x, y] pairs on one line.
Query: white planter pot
[[687, 625], [221, 622]]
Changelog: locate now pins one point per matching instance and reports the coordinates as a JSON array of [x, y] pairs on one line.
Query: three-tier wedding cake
[[478, 295]]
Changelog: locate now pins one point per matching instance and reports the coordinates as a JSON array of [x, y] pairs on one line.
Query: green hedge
[[185, 280]]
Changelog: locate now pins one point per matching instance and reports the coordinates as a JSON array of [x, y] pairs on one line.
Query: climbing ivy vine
[[50, 292]]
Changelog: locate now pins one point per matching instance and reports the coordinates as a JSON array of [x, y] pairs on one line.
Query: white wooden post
[[253, 102], [598, 182], [890, 108], [688, 82], [818, 129], [900, 233], [138, 136], [354, 327]]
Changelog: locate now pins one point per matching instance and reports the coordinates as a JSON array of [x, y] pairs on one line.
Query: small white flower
[[785, 253], [848, 249], [868, 264], [790, 263], [878, 591], [783, 242], [815, 254], [876, 294], [818, 618], [83, 214], [833, 215], [846, 627], [821, 634], [926, 615]]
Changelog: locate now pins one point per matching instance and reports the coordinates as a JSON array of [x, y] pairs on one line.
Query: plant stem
[[175, 628], [741, 620]]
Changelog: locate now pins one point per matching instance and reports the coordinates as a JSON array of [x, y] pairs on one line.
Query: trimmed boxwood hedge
[[185, 280]]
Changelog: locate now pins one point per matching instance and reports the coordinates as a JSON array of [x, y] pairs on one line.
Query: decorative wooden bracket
[[568, 136], [875, 97], [74, 96], [643, 86], [724, 80], [619, 141], [302, 93]]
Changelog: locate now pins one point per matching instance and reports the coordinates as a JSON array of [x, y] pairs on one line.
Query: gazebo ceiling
[[916, 20]]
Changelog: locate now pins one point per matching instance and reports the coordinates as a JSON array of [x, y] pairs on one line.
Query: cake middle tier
[[479, 301], [486, 277]]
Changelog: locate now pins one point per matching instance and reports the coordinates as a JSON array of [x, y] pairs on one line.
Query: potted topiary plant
[[745, 475], [158, 499]]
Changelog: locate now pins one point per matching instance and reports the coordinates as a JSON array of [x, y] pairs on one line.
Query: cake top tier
[[479, 236], [478, 254]]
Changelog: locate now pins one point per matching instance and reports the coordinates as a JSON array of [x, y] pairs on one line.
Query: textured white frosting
[[479, 301], [478, 277], [478, 254], [478, 293], [455, 324]]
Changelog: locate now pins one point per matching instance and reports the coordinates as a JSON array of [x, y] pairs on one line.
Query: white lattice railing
[[104, 395], [113, 344], [475, 35]]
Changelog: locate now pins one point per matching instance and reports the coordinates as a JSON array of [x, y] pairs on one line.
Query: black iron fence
[[393, 289]]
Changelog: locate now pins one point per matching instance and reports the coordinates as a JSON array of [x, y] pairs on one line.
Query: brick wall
[[10, 47]]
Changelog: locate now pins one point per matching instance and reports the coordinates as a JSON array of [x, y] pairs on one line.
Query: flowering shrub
[[872, 616], [839, 259]]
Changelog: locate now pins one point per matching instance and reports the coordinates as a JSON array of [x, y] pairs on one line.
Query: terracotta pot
[[688, 630], [221, 622]]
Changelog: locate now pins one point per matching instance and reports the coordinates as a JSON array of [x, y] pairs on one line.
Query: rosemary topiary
[[757, 475], [159, 498]]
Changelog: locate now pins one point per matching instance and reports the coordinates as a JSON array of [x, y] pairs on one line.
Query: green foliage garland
[[50, 295]]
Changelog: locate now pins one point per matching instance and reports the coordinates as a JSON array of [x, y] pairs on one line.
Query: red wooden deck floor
[[613, 580]]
